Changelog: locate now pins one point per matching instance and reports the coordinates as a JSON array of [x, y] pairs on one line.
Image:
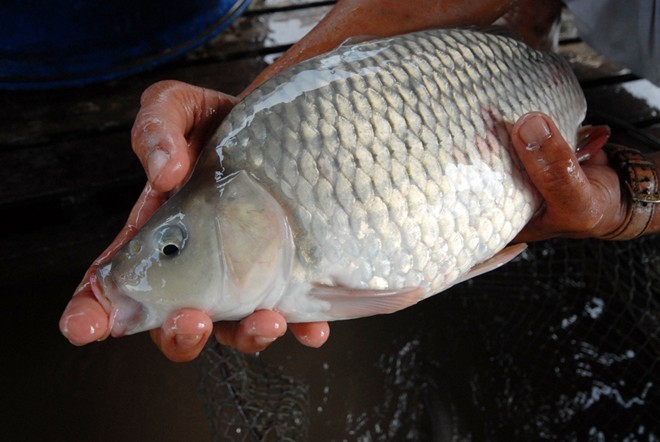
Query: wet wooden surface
[[69, 179]]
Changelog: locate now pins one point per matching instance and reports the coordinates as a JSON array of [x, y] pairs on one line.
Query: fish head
[[220, 248], [167, 265]]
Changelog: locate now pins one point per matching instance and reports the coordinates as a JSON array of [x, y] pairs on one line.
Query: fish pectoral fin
[[498, 260], [346, 303], [253, 237]]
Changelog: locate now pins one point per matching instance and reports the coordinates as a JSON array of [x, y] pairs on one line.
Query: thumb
[[550, 163], [553, 168], [174, 120]]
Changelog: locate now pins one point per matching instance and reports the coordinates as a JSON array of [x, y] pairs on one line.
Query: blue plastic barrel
[[53, 43]]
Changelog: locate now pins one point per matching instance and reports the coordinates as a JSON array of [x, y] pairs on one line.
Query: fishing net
[[249, 401], [576, 354], [563, 343]]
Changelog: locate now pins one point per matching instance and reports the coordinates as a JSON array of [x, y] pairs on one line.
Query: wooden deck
[[69, 179]]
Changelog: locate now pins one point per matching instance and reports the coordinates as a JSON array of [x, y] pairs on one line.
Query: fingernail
[[187, 341], [534, 131], [155, 163]]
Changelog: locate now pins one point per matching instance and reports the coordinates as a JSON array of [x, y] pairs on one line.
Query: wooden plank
[[265, 34], [67, 221], [62, 166], [618, 103], [93, 162], [589, 65], [567, 28], [631, 109], [68, 193], [28, 117], [257, 6], [85, 125], [46, 169]]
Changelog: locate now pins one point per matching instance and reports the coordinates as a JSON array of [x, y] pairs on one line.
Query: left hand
[[174, 121], [581, 200]]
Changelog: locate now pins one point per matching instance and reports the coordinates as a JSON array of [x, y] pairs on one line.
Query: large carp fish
[[355, 183]]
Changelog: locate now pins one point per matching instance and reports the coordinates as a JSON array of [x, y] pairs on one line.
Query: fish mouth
[[125, 314]]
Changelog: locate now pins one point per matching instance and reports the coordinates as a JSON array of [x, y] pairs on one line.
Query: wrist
[[654, 226], [640, 193]]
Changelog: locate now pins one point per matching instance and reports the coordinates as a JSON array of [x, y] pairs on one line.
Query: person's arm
[[384, 18]]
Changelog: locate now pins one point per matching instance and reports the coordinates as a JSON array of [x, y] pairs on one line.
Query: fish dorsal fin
[[498, 260], [359, 39], [255, 239], [498, 28], [346, 303]]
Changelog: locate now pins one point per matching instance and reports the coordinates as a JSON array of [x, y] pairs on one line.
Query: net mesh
[[250, 401], [578, 359], [563, 343]]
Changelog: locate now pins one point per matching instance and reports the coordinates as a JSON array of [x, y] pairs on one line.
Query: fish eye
[[170, 240], [170, 249]]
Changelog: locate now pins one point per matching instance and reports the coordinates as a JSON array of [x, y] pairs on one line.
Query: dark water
[[562, 344]]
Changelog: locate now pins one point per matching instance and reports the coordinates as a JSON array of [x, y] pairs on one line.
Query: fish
[[355, 183]]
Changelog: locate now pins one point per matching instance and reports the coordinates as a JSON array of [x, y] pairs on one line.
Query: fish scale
[[425, 85], [354, 183]]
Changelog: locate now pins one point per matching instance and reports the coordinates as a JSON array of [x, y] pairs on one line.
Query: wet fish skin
[[355, 183]]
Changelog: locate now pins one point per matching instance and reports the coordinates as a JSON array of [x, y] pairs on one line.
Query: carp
[[355, 183]]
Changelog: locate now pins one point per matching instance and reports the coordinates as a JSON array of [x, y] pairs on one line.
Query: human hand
[[174, 121], [581, 199]]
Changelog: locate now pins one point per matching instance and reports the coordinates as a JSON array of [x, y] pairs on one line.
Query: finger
[[254, 333], [598, 159], [311, 334], [553, 169], [172, 123], [591, 140], [84, 319], [183, 334]]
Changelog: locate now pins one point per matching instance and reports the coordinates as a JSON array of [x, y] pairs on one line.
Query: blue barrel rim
[[142, 64]]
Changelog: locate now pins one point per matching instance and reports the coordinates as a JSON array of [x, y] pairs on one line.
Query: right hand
[[580, 199], [174, 121]]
